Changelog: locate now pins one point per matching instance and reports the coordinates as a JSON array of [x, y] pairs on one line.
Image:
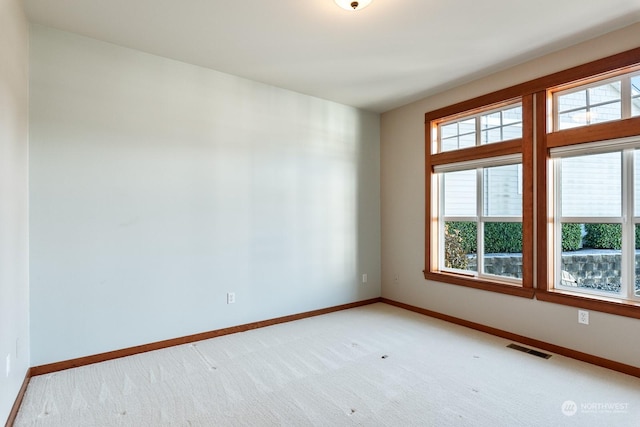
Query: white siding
[[592, 185]]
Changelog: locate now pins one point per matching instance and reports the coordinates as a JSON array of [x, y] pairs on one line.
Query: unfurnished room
[[319, 213]]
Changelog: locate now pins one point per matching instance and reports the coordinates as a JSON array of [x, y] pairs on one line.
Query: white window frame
[[626, 146], [631, 95], [480, 218]]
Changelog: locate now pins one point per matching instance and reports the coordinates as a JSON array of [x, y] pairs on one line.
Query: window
[[590, 194], [477, 200], [585, 106], [602, 101], [589, 239], [584, 126], [487, 127], [482, 209], [459, 134]]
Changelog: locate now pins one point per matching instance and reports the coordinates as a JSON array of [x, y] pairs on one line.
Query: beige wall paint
[[403, 213], [14, 216]]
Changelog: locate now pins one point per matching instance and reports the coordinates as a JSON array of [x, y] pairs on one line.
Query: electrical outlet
[[583, 317], [8, 364], [364, 278], [231, 297]]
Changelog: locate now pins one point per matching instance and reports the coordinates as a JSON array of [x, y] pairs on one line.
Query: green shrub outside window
[[571, 236], [500, 237], [503, 237], [603, 236]]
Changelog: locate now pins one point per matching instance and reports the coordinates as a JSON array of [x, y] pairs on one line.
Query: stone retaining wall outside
[[587, 269]]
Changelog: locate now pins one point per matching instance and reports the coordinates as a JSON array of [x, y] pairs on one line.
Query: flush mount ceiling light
[[353, 4]]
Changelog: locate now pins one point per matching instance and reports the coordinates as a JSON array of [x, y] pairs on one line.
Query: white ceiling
[[387, 55]]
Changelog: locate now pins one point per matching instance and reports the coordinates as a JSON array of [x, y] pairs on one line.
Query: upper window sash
[[485, 189], [611, 97], [485, 126]]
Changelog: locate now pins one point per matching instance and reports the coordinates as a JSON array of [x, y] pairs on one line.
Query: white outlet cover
[[364, 278], [231, 298], [8, 363], [583, 317]]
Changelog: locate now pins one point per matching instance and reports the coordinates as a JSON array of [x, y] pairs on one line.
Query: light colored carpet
[[376, 365]]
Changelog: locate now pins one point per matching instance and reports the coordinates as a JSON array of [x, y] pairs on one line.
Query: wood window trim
[[523, 146], [546, 140], [544, 259], [485, 151], [597, 132], [603, 304], [534, 89], [485, 285]]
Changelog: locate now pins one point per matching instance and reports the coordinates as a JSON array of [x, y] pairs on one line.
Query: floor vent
[[529, 350]]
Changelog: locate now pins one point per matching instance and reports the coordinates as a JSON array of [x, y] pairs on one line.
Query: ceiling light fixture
[[353, 4]]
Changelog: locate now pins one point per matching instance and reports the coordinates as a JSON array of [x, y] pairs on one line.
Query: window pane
[[598, 265], [512, 115], [455, 143], [450, 144], [636, 182], [491, 120], [468, 140], [468, 126], [572, 119], [447, 131], [492, 135], [595, 177], [593, 105], [635, 85], [635, 96], [502, 191], [605, 93], [461, 134], [460, 193], [572, 235], [572, 101], [605, 113], [460, 245], [512, 132], [502, 125], [503, 249]]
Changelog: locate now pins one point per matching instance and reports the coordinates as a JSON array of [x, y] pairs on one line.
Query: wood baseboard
[[16, 405], [130, 351], [578, 355]]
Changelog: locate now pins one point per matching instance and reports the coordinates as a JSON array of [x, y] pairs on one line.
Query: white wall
[[403, 213], [158, 186], [14, 215]]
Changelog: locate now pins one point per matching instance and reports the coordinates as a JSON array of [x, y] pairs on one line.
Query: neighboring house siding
[[591, 185], [502, 192]]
